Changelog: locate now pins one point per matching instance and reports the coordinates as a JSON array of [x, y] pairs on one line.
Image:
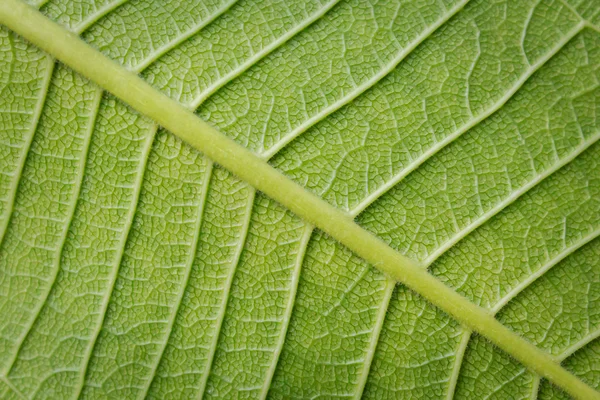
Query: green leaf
[[453, 135]]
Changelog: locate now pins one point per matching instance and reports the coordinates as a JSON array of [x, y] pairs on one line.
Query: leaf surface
[[462, 134]]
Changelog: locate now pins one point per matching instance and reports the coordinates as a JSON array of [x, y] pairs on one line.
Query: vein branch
[[251, 168], [63, 238]]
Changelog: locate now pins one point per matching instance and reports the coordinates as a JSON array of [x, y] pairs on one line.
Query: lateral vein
[[39, 106], [63, 237], [365, 86], [195, 103], [474, 122], [251, 168], [306, 235], [118, 260], [225, 300], [188, 269]]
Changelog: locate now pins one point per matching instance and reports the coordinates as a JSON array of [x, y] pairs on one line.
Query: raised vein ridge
[[246, 165]]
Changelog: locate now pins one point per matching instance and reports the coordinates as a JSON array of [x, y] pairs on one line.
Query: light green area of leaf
[[465, 138]]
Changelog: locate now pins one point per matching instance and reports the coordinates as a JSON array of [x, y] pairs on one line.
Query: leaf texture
[[464, 134]]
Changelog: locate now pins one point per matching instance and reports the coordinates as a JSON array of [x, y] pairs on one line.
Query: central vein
[[127, 86]]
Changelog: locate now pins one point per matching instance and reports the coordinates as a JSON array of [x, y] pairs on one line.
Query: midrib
[[269, 154], [196, 132]]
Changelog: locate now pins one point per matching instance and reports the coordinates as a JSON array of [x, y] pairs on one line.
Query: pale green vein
[[119, 257], [474, 122], [574, 11], [95, 17], [259, 56], [227, 288], [527, 22], [592, 26], [68, 48], [181, 38], [63, 237], [540, 272], [503, 384], [85, 25], [188, 269], [390, 284], [584, 341], [8, 383], [458, 359], [466, 332], [306, 234], [510, 199], [365, 86], [39, 106], [535, 387]]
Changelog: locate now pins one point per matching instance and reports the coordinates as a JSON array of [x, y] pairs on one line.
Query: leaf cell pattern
[[464, 134]]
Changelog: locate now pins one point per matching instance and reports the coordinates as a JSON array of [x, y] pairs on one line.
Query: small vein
[[225, 299], [308, 229], [119, 257], [87, 23], [526, 28], [362, 88], [510, 199], [57, 261], [468, 78], [535, 387], [12, 387], [540, 272], [371, 349], [184, 286], [195, 103], [39, 106], [474, 122], [458, 360], [590, 337], [156, 54]]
